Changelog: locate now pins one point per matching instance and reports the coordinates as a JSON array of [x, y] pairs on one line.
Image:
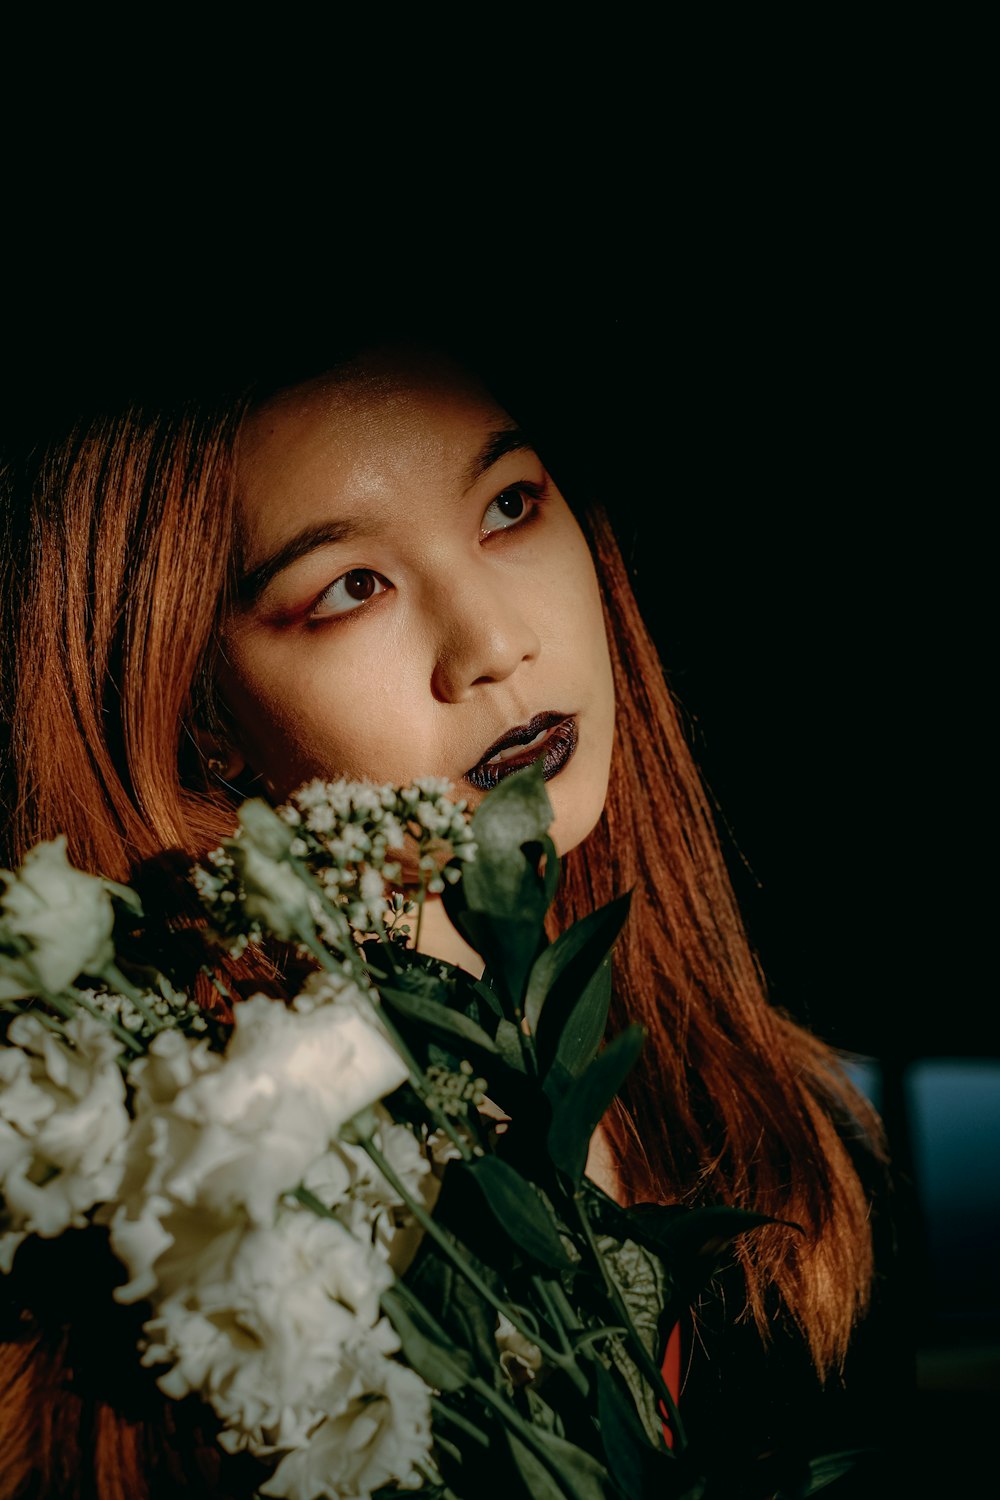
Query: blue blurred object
[[954, 1107]]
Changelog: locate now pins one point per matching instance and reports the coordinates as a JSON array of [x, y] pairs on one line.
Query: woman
[[369, 572]]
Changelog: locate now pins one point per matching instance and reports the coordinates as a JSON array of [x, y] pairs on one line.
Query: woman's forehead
[[362, 431], [372, 389]]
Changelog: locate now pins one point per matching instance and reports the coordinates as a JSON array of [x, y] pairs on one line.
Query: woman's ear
[[221, 760]]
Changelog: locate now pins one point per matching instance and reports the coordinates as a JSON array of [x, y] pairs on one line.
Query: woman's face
[[416, 596]]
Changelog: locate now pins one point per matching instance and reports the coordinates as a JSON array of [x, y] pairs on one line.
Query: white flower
[[346, 1180], [335, 987], [378, 1437], [230, 1136], [172, 1062], [337, 1054], [64, 1124], [267, 1327], [65, 916]]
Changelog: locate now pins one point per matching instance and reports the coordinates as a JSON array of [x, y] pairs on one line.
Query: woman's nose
[[485, 636]]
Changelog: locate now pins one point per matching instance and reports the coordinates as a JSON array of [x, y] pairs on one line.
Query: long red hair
[[117, 571]]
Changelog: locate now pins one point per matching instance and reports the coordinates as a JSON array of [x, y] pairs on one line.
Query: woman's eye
[[349, 592], [510, 508]]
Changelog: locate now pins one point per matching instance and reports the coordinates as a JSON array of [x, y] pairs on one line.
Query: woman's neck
[[439, 939]]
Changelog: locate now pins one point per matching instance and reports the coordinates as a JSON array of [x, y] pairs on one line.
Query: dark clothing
[[741, 1400]]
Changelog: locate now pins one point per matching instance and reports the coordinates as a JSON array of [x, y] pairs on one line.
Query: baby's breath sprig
[[454, 1092], [351, 837], [167, 1010]]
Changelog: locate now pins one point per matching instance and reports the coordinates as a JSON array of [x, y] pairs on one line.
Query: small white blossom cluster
[[63, 1127], [454, 1092], [348, 834], [265, 1309], [351, 828], [171, 1009]]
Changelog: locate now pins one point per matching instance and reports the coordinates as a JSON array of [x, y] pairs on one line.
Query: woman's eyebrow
[[252, 584], [504, 440], [318, 534]]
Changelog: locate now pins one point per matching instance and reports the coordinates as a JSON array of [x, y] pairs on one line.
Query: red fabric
[[672, 1378]]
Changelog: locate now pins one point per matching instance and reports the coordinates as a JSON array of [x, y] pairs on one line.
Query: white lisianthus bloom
[[65, 915], [376, 1438], [14, 1151], [346, 1180], [229, 1136], [64, 1125], [172, 1062], [261, 1327], [335, 987]]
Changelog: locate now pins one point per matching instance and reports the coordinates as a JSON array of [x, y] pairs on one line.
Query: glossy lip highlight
[[557, 748]]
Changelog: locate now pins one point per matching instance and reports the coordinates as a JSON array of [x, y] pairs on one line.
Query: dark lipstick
[[556, 735]]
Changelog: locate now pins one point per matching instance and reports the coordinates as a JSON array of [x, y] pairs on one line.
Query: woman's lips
[[550, 735]]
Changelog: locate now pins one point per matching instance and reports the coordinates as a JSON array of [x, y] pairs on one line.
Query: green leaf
[[508, 944], [126, 895], [515, 813], [575, 955], [508, 1045], [427, 1348], [640, 1278], [464, 1313], [691, 1241], [582, 1034], [622, 1434], [582, 1107], [486, 996], [680, 1230], [520, 1211], [823, 1471], [581, 1476], [441, 1017]]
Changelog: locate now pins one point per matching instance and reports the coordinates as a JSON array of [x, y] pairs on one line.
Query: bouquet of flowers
[[379, 1284]]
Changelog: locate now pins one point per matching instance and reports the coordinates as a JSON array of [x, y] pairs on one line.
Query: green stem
[[420, 908], [554, 1356], [643, 1358], [441, 1409], [418, 1077], [15, 1009], [386, 946], [61, 1004], [217, 983], [552, 1312], [67, 1007], [564, 1306], [427, 1471], [348, 945], [117, 981], [121, 1032], [528, 1435], [506, 1412]]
